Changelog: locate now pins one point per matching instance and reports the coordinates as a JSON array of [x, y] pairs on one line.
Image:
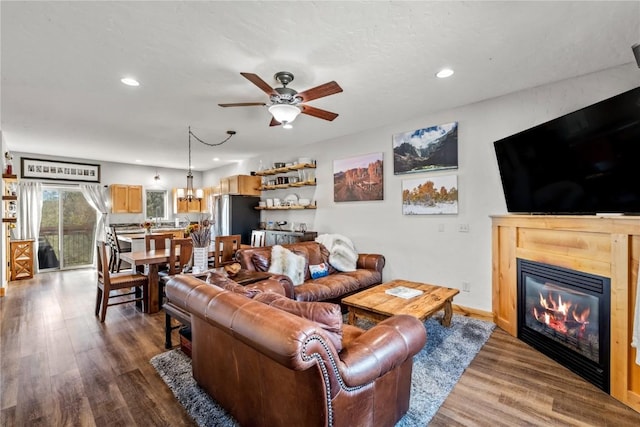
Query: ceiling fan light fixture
[[284, 113]]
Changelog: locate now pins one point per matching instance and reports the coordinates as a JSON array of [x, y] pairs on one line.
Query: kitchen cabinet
[[245, 185], [193, 206], [21, 259], [278, 237], [126, 198]]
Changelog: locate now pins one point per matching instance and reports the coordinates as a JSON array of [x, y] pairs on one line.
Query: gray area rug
[[436, 369]]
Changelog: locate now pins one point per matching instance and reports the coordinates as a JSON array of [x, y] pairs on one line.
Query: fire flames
[[562, 316]]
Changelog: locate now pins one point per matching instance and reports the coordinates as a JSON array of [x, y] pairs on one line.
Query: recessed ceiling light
[[130, 81], [138, 161], [444, 73], [216, 159]]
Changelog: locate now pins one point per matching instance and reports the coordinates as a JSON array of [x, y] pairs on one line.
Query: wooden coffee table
[[375, 305]]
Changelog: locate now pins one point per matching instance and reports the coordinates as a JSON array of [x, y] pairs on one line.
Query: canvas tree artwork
[[430, 195], [358, 178], [427, 149]]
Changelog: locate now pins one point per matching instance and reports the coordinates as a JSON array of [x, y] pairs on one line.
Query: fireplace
[[565, 314]]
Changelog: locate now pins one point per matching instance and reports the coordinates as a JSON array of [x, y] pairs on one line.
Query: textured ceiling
[[61, 63]]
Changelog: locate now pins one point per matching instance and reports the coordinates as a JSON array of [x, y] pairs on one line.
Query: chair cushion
[[327, 315]]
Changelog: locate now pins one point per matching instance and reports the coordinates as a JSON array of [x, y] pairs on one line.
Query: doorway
[[67, 230]]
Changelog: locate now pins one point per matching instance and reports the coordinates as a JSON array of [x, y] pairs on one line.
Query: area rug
[[436, 369]]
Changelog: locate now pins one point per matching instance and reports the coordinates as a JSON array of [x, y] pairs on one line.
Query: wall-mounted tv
[[584, 163]]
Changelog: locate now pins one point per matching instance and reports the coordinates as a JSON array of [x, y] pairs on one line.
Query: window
[[157, 204]]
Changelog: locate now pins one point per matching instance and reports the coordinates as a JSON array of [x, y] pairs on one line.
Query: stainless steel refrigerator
[[235, 214]]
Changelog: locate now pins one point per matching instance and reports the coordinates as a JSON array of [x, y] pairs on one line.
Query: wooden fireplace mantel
[[605, 245]]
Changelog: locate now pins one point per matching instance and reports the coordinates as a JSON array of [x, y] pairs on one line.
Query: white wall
[[413, 246]]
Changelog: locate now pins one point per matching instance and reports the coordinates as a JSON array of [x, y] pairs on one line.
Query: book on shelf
[[403, 292]]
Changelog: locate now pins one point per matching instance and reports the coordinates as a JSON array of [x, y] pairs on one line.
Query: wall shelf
[[286, 169], [285, 208]]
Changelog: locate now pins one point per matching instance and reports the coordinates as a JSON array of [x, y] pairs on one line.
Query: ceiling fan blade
[[320, 91], [317, 112], [242, 104], [274, 122], [264, 86]]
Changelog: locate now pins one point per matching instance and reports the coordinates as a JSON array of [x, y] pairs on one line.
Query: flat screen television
[[584, 163]]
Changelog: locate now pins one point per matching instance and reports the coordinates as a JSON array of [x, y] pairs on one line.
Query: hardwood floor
[[60, 366]]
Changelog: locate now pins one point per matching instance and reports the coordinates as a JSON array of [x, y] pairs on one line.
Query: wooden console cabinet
[[21, 259], [607, 246]]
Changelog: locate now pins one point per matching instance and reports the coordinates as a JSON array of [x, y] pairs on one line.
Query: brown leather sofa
[[329, 288], [269, 367]]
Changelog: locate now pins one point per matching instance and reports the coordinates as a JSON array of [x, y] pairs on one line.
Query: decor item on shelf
[[285, 104], [147, 226], [8, 161]]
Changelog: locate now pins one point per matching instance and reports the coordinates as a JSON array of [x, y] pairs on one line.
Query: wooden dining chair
[[137, 283], [180, 254], [258, 237], [225, 248], [115, 262], [159, 240]]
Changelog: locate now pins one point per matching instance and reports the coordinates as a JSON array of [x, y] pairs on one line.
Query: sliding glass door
[[67, 229]]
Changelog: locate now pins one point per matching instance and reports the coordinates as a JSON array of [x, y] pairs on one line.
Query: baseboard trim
[[473, 312]]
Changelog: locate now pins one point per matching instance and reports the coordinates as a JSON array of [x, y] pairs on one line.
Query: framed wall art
[[430, 196], [358, 179], [59, 171], [427, 149]]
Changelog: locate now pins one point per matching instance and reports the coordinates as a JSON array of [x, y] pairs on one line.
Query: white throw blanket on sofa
[[342, 253]]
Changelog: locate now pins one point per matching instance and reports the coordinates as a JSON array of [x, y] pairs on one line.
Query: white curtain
[[29, 212], [98, 198]]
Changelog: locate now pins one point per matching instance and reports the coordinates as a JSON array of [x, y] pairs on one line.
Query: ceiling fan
[[285, 103]]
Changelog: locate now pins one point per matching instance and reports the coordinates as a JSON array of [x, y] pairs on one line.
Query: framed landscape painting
[[428, 149], [430, 196], [358, 178]]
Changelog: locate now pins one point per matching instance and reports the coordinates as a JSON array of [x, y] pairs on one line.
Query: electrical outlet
[[441, 227], [463, 228], [466, 286]]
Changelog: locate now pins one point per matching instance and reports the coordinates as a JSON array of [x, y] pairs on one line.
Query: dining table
[[153, 259]]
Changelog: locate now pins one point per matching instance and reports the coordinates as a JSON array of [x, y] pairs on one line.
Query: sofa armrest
[[371, 262], [382, 348]]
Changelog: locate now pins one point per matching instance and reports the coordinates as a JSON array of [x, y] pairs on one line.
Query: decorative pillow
[[324, 253], [283, 261], [327, 315], [303, 253], [319, 270]]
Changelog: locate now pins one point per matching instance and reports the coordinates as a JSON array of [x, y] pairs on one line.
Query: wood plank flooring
[[60, 366]]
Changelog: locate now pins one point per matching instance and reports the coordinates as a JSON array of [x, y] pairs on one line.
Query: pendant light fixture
[[190, 193]]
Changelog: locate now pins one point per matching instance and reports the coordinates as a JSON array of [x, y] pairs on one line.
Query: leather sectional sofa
[[333, 287], [272, 361]]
